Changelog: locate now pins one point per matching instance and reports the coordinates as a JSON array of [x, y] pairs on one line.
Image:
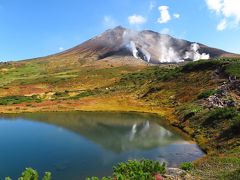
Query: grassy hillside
[[202, 98]]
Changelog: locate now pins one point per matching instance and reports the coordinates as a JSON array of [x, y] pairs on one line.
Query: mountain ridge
[[113, 47], [161, 48]]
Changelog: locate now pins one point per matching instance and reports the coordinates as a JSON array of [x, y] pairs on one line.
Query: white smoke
[[194, 54], [147, 55], [169, 55], [134, 49], [130, 39], [129, 35], [138, 44], [135, 52], [167, 52]]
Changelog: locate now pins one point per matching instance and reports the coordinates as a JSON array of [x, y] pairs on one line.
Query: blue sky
[[33, 28]]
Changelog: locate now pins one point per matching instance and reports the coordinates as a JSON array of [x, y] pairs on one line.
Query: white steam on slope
[[169, 55], [194, 54], [135, 52], [139, 44], [130, 38], [134, 49], [167, 52], [147, 55]]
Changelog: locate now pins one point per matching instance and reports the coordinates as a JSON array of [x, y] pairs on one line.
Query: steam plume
[[147, 55], [194, 54], [141, 44], [167, 51], [134, 49]]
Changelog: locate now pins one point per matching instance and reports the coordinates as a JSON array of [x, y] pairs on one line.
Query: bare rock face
[[147, 45]]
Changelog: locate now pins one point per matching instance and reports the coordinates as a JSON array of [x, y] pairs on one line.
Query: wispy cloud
[[164, 14], [109, 22], [152, 5], [222, 25], [165, 31], [136, 20], [176, 15], [61, 48], [227, 10]]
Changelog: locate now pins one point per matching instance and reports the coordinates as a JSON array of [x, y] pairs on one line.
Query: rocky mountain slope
[[146, 45]]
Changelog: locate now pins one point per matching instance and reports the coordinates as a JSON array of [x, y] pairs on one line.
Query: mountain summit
[[149, 46]]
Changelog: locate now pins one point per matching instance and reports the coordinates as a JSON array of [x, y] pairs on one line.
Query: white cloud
[[231, 8], [136, 19], [60, 48], [215, 5], [228, 10], [164, 14], [177, 16], [222, 25], [109, 22]]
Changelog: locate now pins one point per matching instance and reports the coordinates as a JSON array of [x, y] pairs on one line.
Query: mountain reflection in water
[[118, 132], [74, 145]]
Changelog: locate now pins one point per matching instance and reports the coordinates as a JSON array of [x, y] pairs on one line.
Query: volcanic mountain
[[124, 45]]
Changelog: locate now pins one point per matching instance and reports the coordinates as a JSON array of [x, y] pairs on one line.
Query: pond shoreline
[[153, 138], [172, 121]]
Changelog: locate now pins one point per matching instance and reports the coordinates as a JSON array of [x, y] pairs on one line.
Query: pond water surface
[[75, 145]]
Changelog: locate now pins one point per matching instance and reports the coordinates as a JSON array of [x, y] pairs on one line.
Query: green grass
[[84, 94], [219, 115], [147, 77], [187, 166], [217, 167], [201, 65], [21, 71], [230, 67], [188, 110], [234, 175], [236, 122], [32, 174], [56, 74], [233, 69], [133, 169], [153, 73], [234, 128], [9, 100], [208, 93]]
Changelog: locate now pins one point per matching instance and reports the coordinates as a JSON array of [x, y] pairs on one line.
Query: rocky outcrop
[[177, 174], [219, 101], [223, 97]]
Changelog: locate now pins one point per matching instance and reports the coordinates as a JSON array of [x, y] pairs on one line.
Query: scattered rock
[[177, 174], [223, 98], [219, 101]]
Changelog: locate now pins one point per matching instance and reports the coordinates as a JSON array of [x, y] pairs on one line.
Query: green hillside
[[201, 98]]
